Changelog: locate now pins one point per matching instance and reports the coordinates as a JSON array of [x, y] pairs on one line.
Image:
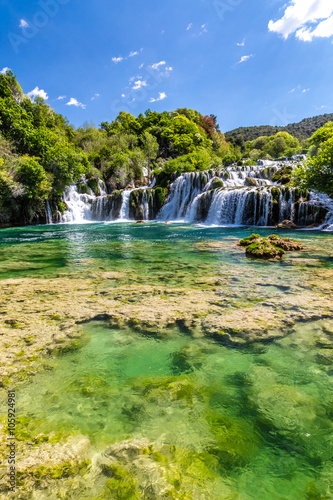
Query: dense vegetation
[[41, 154], [302, 130]]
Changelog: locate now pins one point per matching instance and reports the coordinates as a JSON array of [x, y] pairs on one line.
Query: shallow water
[[263, 411]]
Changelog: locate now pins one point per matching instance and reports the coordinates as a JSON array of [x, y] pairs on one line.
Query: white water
[[48, 213], [78, 206], [192, 199], [124, 209], [102, 188]]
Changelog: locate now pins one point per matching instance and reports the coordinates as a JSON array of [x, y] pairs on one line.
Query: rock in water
[[140, 222], [287, 224], [271, 247]]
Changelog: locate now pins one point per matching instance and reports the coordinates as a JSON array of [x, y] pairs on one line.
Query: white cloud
[[203, 29], [137, 77], [307, 19], [169, 68], [141, 66], [139, 84], [117, 60], [96, 95], [61, 97], [36, 92], [123, 95], [161, 96], [189, 26], [3, 71], [133, 53], [245, 58], [305, 90], [157, 65], [75, 102], [23, 23], [241, 44]]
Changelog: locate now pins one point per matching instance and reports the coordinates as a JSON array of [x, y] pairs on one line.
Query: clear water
[[262, 411]]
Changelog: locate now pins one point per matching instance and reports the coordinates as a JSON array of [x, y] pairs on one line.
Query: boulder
[[250, 182], [271, 247], [287, 224], [217, 183]]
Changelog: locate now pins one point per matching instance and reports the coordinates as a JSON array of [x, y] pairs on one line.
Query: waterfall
[[236, 195], [48, 212], [182, 193], [78, 205], [124, 209], [102, 187], [145, 205]]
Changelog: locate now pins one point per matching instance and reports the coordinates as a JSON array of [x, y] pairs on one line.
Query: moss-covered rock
[[287, 224], [270, 247], [93, 184], [250, 182], [83, 188], [217, 183], [283, 175]]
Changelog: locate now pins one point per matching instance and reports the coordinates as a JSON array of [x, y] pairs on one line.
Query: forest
[[41, 153]]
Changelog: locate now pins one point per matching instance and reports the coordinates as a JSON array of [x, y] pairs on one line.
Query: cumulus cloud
[[133, 53], [161, 96], [157, 65], [245, 58], [61, 97], [23, 23], [76, 103], [37, 92], [241, 44], [117, 60], [139, 84], [4, 70], [308, 19]]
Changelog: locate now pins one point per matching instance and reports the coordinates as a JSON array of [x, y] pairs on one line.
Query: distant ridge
[[302, 130]]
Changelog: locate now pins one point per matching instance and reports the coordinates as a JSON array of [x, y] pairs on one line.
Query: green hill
[[302, 130]]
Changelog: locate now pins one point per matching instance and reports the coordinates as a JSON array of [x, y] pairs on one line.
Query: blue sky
[[249, 62]]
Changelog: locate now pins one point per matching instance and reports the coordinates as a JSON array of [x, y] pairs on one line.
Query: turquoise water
[[260, 413]]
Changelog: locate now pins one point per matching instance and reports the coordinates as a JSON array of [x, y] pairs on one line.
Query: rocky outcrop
[[271, 247], [287, 224]]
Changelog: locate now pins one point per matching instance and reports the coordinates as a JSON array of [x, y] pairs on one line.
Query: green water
[[262, 413]]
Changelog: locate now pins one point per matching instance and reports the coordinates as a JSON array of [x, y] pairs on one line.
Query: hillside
[[302, 130]]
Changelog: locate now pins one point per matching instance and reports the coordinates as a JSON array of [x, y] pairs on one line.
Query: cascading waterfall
[[235, 195], [184, 190], [78, 205], [124, 209]]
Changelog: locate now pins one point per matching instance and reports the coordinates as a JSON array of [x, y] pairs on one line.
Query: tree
[[150, 147]]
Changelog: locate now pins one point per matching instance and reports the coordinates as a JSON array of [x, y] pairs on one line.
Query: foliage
[[275, 146], [301, 130], [38, 153], [317, 172]]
